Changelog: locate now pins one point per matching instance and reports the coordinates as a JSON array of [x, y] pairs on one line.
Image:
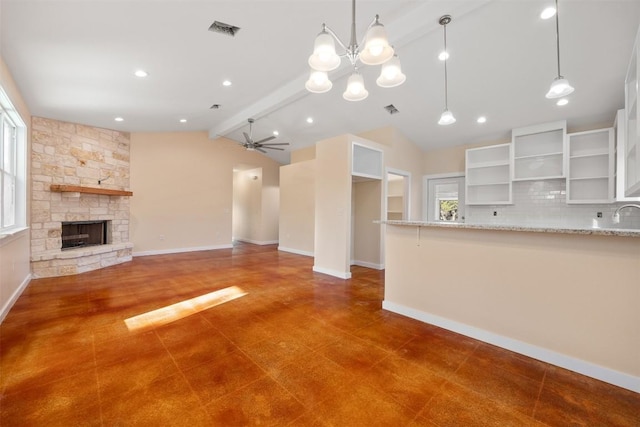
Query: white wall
[[15, 268]]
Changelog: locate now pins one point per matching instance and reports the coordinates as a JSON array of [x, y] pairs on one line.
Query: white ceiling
[[74, 60]]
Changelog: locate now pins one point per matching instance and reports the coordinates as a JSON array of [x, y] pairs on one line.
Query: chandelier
[[376, 51]]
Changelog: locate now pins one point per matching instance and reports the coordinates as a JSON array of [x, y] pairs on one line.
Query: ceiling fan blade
[[246, 136], [271, 148], [269, 138], [277, 143], [260, 150]]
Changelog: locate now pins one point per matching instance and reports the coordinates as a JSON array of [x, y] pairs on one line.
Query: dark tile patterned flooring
[[300, 348]]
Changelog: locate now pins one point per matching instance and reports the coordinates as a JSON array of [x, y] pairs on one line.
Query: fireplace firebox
[[83, 233]]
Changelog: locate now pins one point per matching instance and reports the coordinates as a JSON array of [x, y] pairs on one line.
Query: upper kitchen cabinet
[[590, 173], [538, 152], [632, 123]]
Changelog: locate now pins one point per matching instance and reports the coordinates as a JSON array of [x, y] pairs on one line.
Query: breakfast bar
[[570, 297]]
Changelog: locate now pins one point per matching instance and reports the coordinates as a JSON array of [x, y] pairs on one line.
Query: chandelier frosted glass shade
[[446, 118], [318, 82], [559, 87], [355, 88], [377, 49], [391, 73], [324, 57]]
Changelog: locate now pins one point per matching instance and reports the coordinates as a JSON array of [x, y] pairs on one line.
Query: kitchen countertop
[[460, 225]]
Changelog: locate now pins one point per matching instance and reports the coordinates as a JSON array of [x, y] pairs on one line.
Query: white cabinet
[[590, 166], [538, 151], [395, 197], [620, 133], [366, 162], [488, 175], [632, 124]]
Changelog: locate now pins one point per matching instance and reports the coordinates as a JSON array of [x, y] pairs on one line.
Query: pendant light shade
[[446, 118], [376, 47], [324, 57], [318, 82], [391, 73], [559, 87], [355, 88]]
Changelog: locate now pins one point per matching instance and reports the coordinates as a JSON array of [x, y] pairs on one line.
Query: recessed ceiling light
[[119, 119], [141, 73], [482, 119], [548, 12], [561, 102], [276, 133], [444, 55], [309, 119], [183, 120], [226, 83]]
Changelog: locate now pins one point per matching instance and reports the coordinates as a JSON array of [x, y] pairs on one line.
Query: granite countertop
[[592, 231]]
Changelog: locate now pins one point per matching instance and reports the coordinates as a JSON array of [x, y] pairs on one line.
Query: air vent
[[391, 109], [221, 27], [215, 106]]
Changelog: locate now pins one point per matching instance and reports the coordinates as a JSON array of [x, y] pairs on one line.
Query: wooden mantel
[[59, 188]]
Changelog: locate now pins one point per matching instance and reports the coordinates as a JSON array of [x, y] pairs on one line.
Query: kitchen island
[[567, 297]]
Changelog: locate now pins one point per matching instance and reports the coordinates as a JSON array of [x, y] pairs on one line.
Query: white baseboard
[[295, 251], [14, 297], [257, 242], [334, 273], [180, 250], [592, 370], [367, 264]]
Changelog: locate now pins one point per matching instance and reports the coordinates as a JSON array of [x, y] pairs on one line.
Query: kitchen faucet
[[616, 214]]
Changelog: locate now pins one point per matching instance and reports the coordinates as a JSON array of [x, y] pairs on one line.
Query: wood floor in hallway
[[251, 336]]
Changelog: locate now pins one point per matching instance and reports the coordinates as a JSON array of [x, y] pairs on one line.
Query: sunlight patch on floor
[[182, 309]]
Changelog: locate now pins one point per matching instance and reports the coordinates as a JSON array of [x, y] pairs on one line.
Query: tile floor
[[300, 349]]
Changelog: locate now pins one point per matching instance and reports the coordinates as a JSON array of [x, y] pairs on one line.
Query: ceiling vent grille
[[391, 109], [222, 28], [215, 106]]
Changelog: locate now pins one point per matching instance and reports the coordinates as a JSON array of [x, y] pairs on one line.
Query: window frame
[[15, 170]]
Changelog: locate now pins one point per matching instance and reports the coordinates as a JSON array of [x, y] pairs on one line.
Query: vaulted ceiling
[[75, 61]]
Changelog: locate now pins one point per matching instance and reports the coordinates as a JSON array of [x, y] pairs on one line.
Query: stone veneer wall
[[74, 154]]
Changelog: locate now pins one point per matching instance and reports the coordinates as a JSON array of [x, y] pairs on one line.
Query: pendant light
[[447, 117], [560, 86], [375, 50]]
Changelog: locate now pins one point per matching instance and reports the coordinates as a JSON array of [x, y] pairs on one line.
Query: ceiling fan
[[252, 145]]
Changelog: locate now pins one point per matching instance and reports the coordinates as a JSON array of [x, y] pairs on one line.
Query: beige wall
[[15, 266], [451, 159], [367, 208], [183, 190], [297, 207], [303, 154], [333, 206], [565, 298]]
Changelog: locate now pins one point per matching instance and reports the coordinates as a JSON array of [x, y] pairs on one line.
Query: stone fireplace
[[77, 175]]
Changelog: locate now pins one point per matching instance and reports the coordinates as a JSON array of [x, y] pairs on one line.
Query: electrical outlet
[[161, 237], [599, 214], [495, 213]]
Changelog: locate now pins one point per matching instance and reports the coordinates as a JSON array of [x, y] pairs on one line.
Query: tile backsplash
[[543, 204]]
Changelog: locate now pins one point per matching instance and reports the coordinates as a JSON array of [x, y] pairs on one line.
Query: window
[[12, 166], [444, 198]]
